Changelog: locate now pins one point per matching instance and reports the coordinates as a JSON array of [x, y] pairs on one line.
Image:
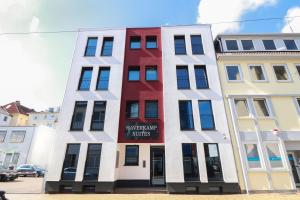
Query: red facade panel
[[142, 90]]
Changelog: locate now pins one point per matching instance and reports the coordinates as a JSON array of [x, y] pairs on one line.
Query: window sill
[[101, 90], [96, 130], [152, 80], [235, 81], [85, 56], [133, 81], [181, 54], [184, 88], [245, 118], [105, 55], [77, 130], [83, 90], [203, 88], [209, 130], [187, 129]]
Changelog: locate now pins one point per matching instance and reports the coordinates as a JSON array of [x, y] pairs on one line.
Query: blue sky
[[34, 68]]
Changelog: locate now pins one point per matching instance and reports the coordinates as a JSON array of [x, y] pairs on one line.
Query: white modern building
[[199, 155]]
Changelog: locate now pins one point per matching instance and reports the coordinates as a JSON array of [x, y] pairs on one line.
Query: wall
[[2, 122], [19, 120], [43, 118]]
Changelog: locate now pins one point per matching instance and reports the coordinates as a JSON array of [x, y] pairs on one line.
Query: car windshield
[[24, 166]]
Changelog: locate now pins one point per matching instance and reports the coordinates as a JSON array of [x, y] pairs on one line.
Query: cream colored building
[[260, 78]]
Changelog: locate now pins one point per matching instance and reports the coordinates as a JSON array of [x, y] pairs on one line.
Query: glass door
[[295, 168], [157, 166]]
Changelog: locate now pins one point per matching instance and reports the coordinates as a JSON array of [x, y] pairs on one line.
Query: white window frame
[[4, 132], [262, 41], [298, 74], [263, 70], [11, 135], [262, 165], [284, 164], [287, 71], [294, 42], [297, 105], [243, 47], [268, 106], [247, 107], [237, 43], [240, 71]]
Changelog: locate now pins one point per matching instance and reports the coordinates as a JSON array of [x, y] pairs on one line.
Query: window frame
[[237, 45], [268, 107], [126, 109], [188, 77], [63, 165], [157, 109], [243, 45], [178, 54], [265, 45], [205, 70], [102, 48], [151, 67], [287, 71], [213, 128], [240, 72], [86, 46], [297, 65], [262, 164], [105, 106], [284, 40], [135, 37], [131, 68], [202, 46], [3, 132], [98, 78], [138, 156], [81, 77], [156, 43], [16, 131], [72, 118], [281, 152], [263, 70], [297, 104], [193, 122], [88, 153], [247, 107]]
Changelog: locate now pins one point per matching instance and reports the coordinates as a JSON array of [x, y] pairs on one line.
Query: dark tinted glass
[[213, 162], [151, 42], [269, 44], [85, 78], [107, 46], [190, 162], [231, 45], [78, 115], [91, 46], [290, 44], [132, 109], [183, 81], [179, 45], [132, 155], [135, 42], [70, 162], [186, 115], [98, 116], [206, 115], [92, 162], [197, 47], [247, 45], [133, 73], [151, 109], [151, 73], [233, 73], [298, 69], [103, 78], [201, 77]]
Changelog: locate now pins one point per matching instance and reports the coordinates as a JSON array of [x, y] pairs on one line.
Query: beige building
[[19, 113], [46, 118], [260, 78]]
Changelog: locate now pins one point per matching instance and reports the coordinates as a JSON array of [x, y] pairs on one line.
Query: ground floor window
[[252, 156], [274, 155], [190, 162], [92, 163], [70, 162], [213, 162], [132, 155]]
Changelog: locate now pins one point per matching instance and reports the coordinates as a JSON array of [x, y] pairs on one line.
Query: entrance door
[[157, 166], [295, 168]]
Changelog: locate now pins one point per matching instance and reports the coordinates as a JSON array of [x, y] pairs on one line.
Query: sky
[[34, 67]]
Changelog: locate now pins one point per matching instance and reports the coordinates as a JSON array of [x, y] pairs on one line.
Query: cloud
[[34, 24], [293, 23], [211, 11]]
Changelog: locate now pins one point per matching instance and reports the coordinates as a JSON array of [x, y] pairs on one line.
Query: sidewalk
[[151, 197]]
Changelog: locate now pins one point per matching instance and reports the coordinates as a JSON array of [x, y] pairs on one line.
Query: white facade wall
[[23, 147], [43, 118], [109, 136], [174, 137]]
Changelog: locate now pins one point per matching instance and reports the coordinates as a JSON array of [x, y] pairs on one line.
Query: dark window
[[92, 162], [132, 155], [107, 46], [135, 42], [233, 73], [281, 72], [85, 78], [98, 116], [151, 73], [247, 45], [213, 162], [206, 115], [132, 109], [201, 77], [190, 162], [186, 115], [78, 116], [151, 42], [298, 69], [151, 109], [70, 162], [134, 73], [197, 47], [91, 47], [183, 81], [103, 78], [232, 45], [298, 101], [269, 44], [290, 44], [179, 45]]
